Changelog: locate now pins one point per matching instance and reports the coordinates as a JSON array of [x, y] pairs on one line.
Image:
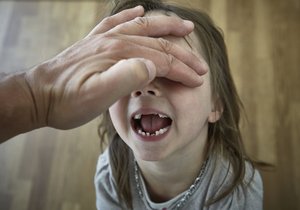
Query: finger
[[119, 80], [167, 64], [119, 18], [179, 73], [197, 63], [155, 26]]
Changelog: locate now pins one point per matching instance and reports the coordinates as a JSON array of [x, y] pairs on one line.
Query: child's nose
[[149, 90]]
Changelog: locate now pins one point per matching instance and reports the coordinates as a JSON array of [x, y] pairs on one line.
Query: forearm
[[16, 106]]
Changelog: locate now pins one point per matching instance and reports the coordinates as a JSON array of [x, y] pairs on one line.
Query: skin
[[80, 83], [164, 163]]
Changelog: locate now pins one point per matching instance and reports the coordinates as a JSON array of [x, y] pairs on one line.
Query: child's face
[[152, 137]]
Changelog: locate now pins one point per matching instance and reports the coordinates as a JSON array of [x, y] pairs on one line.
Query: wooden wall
[[49, 169]]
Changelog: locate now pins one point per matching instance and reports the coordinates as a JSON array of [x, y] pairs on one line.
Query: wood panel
[[46, 169], [50, 169]]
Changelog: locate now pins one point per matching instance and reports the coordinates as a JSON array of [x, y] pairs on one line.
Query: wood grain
[[49, 169]]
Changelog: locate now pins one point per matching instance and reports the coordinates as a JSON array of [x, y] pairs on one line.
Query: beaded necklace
[[179, 204]]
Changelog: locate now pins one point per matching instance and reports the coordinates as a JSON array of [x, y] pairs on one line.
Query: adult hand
[[84, 80]]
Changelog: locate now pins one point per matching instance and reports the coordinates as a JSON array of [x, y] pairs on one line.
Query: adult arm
[[80, 83]]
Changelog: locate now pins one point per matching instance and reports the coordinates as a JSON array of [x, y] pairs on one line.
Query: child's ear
[[216, 112]]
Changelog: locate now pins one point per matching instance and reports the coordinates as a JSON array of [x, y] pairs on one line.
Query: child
[[175, 147]]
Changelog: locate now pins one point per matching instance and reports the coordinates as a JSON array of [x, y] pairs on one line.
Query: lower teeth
[[159, 132]]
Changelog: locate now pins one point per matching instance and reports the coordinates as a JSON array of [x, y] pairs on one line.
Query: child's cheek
[[118, 115]]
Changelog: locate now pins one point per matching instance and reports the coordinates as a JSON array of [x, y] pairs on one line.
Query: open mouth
[[151, 124]]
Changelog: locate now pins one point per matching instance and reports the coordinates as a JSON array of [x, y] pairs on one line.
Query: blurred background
[[49, 169]]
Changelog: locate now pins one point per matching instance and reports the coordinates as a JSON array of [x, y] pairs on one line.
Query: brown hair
[[224, 136]]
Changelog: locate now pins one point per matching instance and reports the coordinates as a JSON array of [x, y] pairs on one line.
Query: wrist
[[18, 106]]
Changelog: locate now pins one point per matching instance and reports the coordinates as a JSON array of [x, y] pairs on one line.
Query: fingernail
[[204, 66], [201, 66], [151, 69], [188, 24], [139, 7]]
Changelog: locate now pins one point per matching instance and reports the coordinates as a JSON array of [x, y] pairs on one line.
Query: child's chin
[[152, 156]]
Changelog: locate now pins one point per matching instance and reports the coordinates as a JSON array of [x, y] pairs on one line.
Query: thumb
[[131, 74], [123, 78]]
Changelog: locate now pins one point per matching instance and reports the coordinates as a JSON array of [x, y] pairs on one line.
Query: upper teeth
[[139, 116], [162, 116]]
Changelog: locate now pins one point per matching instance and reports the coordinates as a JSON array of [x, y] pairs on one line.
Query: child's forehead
[[190, 41]]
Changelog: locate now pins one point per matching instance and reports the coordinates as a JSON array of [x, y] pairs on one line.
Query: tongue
[[152, 123]]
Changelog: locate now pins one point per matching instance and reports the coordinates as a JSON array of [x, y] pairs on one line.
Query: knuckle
[[170, 60], [108, 21], [108, 35], [117, 44], [165, 45], [142, 21]]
